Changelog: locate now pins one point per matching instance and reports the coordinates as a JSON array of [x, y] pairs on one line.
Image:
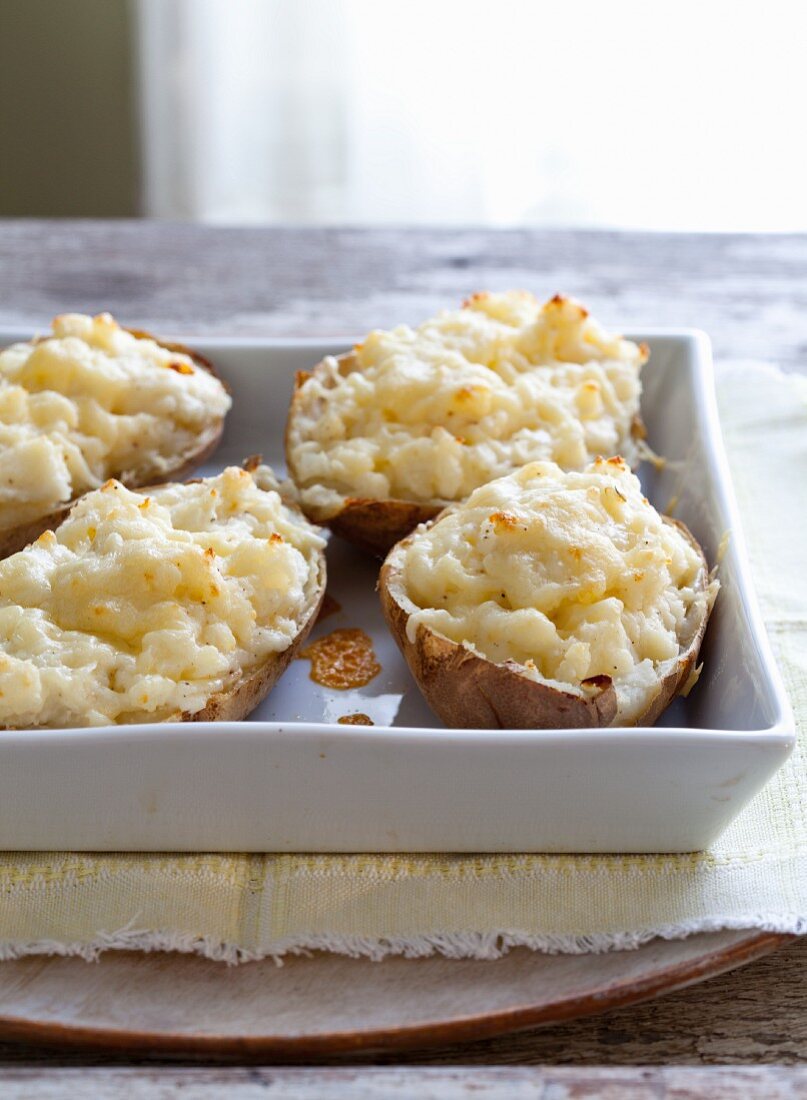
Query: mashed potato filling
[[428, 414], [140, 607], [569, 574], [92, 401]]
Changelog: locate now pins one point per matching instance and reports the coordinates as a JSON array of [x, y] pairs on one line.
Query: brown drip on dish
[[355, 720], [343, 659]]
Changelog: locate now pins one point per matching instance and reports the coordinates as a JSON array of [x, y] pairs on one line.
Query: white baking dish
[[291, 779]]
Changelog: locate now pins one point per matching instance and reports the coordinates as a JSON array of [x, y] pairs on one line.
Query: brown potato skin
[[372, 525], [16, 538], [467, 691], [376, 525]]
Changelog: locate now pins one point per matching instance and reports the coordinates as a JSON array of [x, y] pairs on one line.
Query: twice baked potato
[[410, 421], [93, 401], [184, 602], [550, 599]]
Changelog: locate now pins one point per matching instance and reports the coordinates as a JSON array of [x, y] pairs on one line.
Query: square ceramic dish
[[291, 779]]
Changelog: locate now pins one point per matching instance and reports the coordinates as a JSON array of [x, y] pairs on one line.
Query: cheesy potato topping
[[569, 574], [140, 607], [431, 413], [89, 402]]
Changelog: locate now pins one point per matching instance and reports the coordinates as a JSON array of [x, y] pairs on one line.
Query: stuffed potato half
[[412, 420], [183, 602], [91, 401], [550, 599]]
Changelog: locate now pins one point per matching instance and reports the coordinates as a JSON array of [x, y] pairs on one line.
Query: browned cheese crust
[[372, 525], [16, 538], [467, 691]]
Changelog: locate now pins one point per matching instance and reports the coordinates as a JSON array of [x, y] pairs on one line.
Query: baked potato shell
[[15, 538], [252, 685], [467, 691], [373, 525]]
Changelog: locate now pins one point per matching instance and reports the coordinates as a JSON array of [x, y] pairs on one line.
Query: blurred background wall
[[69, 141], [671, 114]]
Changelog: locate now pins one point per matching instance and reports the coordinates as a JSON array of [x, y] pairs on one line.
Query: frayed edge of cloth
[[456, 945]]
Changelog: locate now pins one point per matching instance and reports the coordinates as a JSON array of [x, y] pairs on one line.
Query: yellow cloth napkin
[[241, 907]]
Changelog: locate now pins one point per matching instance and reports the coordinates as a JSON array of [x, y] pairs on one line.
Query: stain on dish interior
[[343, 659], [355, 720]]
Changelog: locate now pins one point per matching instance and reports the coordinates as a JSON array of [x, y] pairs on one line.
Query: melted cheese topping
[[431, 413], [92, 402], [570, 575], [140, 607]]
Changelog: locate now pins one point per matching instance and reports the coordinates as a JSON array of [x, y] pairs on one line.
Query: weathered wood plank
[[397, 1084], [748, 292]]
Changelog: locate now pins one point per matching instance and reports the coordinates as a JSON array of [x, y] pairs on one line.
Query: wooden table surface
[[748, 292]]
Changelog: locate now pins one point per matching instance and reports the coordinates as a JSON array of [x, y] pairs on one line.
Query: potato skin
[[467, 691], [376, 525], [16, 538], [373, 525]]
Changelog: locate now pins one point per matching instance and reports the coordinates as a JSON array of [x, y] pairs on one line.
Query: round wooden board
[[324, 1005]]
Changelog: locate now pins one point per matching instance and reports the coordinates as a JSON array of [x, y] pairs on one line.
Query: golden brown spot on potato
[[466, 395], [558, 301], [46, 537], [144, 504], [180, 367], [638, 576], [214, 590], [210, 553], [480, 296], [576, 552], [343, 659], [275, 537], [617, 460], [329, 607], [355, 720], [111, 484], [503, 521], [252, 463]]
